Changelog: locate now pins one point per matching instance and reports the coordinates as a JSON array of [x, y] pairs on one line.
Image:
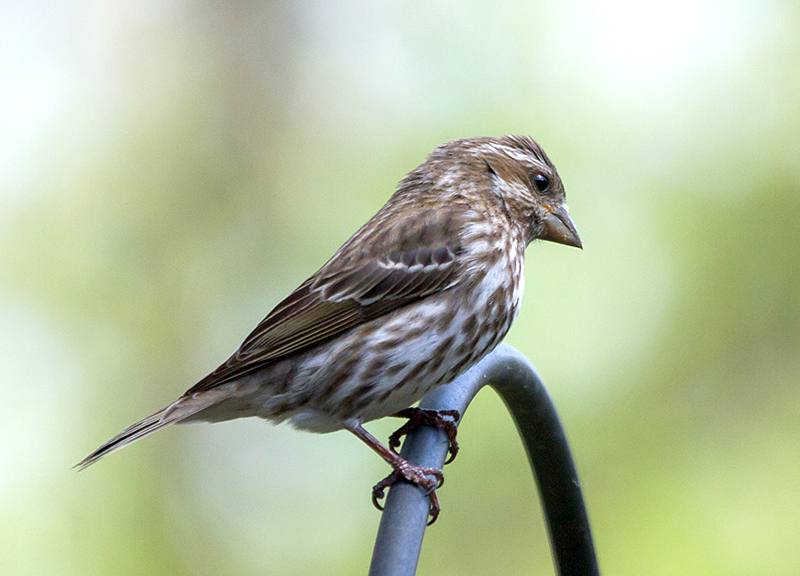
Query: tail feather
[[130, 434], [184, 409]]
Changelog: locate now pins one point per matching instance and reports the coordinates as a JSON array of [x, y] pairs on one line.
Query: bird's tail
[[177, 412]]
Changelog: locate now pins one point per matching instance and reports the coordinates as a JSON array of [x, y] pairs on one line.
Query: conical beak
[[558, 227]]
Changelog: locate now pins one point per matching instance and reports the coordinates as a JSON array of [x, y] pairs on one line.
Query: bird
[[420, 293]]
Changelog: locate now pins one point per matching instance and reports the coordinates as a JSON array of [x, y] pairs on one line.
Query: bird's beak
[[558, 227]]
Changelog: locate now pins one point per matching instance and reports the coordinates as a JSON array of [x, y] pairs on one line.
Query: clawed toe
[[447, 420], [414, 475], [378, 491]]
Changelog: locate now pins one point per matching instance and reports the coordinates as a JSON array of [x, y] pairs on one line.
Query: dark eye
[[541, 182]]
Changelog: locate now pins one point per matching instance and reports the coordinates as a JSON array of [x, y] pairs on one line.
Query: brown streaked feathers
[[391, 275]]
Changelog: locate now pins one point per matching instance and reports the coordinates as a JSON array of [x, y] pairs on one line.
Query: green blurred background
[[169, 170]]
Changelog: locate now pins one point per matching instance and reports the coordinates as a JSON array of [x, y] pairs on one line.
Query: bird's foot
[[403, 470], [447, 420]]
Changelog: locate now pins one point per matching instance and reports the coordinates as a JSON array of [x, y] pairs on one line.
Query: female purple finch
[[424, 290]]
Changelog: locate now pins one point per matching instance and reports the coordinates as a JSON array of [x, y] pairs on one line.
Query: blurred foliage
[[170, 170]]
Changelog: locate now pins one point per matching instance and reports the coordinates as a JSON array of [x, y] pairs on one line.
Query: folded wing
[[414, 260]]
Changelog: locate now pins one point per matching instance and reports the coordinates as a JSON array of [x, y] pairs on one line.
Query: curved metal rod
[[405, 515]]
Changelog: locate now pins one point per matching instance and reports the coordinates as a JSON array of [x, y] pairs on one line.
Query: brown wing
[[396, 272]]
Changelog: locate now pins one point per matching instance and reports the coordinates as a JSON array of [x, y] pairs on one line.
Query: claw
[[434, 510], [414, 475], [378, 491], [435, 418]]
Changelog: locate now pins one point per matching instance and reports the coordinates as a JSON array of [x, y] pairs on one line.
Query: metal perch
[[405, 515]]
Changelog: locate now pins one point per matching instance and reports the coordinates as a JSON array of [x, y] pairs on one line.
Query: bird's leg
[[402, 470], [447, 420]]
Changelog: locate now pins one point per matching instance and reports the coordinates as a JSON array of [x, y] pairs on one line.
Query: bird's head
[[524, 178]]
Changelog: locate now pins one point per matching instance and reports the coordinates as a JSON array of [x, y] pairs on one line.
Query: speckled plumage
[[424, 290]]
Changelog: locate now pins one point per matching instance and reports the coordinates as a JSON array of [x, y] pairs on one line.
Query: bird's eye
[[541, 182]]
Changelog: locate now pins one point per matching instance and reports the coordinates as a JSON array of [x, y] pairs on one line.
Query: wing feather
[[338, 298]]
